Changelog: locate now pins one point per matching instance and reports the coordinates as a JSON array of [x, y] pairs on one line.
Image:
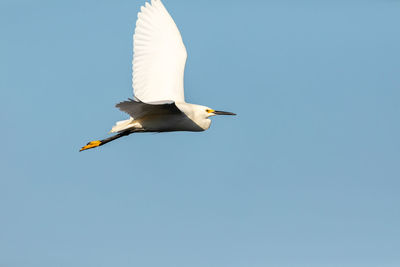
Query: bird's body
[[158, 69], [169, 117]]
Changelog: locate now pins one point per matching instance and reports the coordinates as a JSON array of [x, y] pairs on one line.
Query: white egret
[[158, 69]]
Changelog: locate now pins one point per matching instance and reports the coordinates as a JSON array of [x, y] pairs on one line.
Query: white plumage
[[159, 58]]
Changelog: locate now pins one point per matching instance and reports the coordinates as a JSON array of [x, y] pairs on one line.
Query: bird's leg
[[97, 143]]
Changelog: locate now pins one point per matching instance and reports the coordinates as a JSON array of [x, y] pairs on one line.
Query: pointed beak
[[217, 112]]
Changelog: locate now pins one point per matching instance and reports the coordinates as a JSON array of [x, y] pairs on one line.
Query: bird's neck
[[192, 112]]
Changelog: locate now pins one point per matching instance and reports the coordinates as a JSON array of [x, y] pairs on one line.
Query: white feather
[[159, 56], [122, 125]]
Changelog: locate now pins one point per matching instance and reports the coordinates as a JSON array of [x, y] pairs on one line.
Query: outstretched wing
[[159, 56], [137, 109]]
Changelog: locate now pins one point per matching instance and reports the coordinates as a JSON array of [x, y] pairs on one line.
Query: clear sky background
[[306, 175]]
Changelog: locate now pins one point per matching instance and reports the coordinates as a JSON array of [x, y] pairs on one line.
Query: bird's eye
[[209, 110]]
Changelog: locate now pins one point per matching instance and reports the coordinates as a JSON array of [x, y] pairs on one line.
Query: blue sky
[[307, 174]]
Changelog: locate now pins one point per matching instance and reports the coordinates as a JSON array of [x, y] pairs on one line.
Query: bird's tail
[[97, 143], [122, 125]]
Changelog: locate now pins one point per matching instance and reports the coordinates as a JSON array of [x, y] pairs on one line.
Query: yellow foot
[[91, 145]]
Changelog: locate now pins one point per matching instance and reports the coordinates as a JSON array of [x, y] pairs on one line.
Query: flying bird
[[159, 58]]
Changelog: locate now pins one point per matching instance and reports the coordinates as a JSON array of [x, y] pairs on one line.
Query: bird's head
[[201, 114], [208, 112]]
